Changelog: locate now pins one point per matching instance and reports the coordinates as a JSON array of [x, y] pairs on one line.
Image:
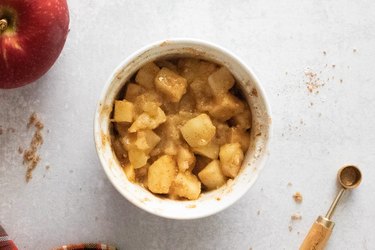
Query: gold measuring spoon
[[349, 177]]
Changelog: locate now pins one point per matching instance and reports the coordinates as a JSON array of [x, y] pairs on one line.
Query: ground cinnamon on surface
[[298, 197], [296, 216], [313, 82], [31, 157]]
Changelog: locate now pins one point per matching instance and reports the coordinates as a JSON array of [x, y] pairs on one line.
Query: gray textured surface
[[279, 39]]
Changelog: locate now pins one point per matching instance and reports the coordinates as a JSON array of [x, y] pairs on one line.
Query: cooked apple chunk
[[137, 158], [146, 140], [202, 95], [226, 106], [211, 150], [185, 159], [146, 75], [221, 81], [124, 111], [243, 120], [231, 157], [146, 121], [198, 131], [186, 185], [212, 176], [161, 174], [239, 135], [172, 85], [147, 102], [192, 69], [129, 172], [133, 90]]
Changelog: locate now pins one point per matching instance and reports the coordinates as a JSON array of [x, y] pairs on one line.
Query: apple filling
[[181, 127]]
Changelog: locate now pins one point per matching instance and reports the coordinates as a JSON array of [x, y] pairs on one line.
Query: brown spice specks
[[39, 125], [31, 157], [298, 197], [313, 82], [296, 216], [254, 92], [32, 119]]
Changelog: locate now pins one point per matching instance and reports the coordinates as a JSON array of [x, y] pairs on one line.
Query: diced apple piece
[[129, 172], [231, 157], [185, 159], [198, 131], [170, 147], [192, 69], [146, 121], [211, 150], [186, 185], [212, 176], [146, 75], [172, 85], [151, 108], [241, 136], [169, 133], [161, 174], [202, 95], [146, 140], [188, 68], [243, 120], [124, 111], [221, 81], [170, 128], [206, 69], [226, 106], [147, 102], [128, 140], [133, 90], [137, 158]]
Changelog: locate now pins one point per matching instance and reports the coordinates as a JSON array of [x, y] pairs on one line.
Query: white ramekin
[[210, 202]]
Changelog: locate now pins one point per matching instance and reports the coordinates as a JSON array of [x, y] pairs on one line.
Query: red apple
[[32, 35]]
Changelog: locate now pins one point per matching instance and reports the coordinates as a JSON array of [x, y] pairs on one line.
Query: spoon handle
[[334, 204], [318, 235]]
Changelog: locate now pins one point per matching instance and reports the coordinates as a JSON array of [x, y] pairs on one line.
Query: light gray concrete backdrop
[[314, 133]]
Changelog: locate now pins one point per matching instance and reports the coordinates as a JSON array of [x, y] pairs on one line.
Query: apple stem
[[3, 25]]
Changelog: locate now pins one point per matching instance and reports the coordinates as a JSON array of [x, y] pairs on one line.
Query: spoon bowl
[[349, 177]]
